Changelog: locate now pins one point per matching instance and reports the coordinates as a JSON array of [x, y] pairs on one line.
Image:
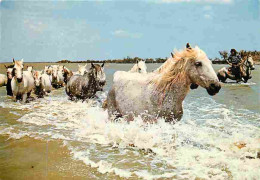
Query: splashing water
[[202, 145]]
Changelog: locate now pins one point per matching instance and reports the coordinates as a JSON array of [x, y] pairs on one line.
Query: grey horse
[[85, 86]]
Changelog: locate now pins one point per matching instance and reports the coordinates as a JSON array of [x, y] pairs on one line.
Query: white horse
[[22, 82], [81, 69], [57, 76], [42, 83], [48, 71], [139, 67], [161, 93], [3, 80]]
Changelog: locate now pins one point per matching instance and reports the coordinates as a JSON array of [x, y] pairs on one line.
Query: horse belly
[[28, 83]]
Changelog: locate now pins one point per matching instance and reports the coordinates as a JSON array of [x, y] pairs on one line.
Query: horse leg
[[24, 98], [14, 98], [113, 111], [222, 78]]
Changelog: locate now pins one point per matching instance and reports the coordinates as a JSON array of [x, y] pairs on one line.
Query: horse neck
[[166, 64], [176, 86], [134, 68]]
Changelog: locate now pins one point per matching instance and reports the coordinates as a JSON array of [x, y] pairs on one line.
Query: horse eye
[[139, 69], [198, 64]]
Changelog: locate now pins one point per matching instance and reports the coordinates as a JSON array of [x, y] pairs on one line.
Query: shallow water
[[54, 138]]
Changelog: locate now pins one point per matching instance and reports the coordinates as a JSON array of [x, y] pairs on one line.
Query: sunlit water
[[54, 138]]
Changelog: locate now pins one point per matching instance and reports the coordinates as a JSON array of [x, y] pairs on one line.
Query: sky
[[78, 30]]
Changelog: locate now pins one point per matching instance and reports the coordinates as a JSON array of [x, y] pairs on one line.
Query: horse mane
[[18, 63], [174, 69]]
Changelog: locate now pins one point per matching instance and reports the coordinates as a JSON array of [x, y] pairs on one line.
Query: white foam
[[201, 145]]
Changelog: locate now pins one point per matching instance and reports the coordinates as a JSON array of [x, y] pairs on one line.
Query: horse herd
[[153, 95]]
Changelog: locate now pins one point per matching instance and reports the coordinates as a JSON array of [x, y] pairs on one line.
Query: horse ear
[[188, 46], [103, 65], [13, 60], [172, 55], [92, 65], [22, 60], [5, 66]]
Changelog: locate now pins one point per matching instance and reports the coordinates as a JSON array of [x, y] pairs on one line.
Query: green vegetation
[[125, 60], [223, 55]]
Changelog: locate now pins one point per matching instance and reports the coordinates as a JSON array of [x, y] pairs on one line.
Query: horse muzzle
[[213, 88], [252, 68], [19, 80]]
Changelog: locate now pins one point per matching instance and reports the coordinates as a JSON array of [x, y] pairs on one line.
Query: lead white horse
[[139, 67], [22, 82], [160, 94]]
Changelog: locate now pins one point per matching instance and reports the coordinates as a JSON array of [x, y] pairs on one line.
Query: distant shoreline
[[92, 61]]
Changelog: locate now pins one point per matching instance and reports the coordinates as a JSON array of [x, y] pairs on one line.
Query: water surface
[[54, 138]]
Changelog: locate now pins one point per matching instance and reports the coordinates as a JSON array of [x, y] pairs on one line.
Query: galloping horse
[[42, 83], [57, 76], [86, 86], [139, 67], [22, 82], [160, 94], [245, 67]]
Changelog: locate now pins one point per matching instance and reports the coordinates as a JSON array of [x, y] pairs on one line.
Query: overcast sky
[[79, 30]]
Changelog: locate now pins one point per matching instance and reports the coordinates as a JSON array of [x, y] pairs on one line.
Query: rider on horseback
[[234, 60]]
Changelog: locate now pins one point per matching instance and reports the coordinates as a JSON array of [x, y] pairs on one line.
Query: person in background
[[234, 60]]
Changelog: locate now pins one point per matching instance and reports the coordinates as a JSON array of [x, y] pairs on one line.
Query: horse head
[[30, 69], [99, 75], [37, 75], [18, 70], [200, 71], [82, 69], [141, 66], [55, 70], [9, 71], [67, 74], [48, 70], [250, 63]]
